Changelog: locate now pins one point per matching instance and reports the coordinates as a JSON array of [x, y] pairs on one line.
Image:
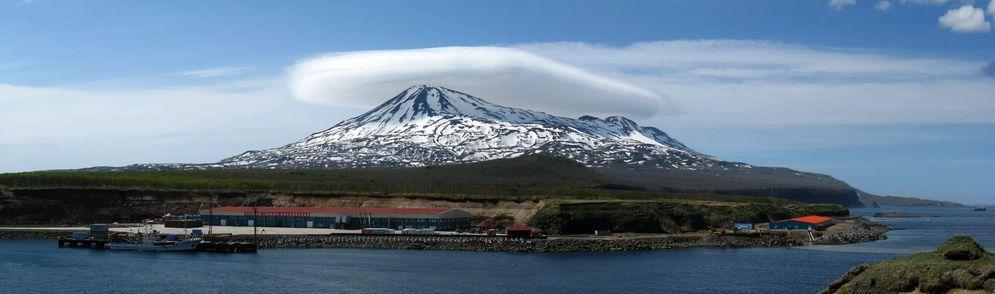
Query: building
[[443, 219], [522, 231], [811, 222]]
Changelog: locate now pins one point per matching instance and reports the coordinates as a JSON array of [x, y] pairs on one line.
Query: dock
[[204, 246]]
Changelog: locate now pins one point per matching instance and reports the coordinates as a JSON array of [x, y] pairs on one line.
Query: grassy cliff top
[[932, 272]]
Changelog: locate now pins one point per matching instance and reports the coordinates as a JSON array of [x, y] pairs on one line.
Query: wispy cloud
[[729, 82], [883, 5], [839, 4], [216, 72]]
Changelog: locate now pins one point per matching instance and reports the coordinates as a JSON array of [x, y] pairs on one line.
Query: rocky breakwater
[[30, 235], [852, 230], [553, 244]]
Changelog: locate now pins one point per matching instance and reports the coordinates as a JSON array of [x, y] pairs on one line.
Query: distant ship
[[152, 241], [980, 208]]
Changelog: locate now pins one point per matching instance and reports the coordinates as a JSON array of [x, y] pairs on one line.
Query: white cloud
[[839, 4], [966, 19], [724, 85], [883, 5], [924, 2], [215, 72], [991, 8], [750, 60], [58, 127], [734, 83], [505, 76]]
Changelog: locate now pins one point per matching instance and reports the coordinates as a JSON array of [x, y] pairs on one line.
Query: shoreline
[[857, 231]]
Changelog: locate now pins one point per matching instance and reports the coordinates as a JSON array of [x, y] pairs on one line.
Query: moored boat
[[150, 240]]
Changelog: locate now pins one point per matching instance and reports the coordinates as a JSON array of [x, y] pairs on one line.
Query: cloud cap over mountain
[[503, 75]]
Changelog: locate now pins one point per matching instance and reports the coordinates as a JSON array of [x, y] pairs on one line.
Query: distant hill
[[530, 177], [872, 200]]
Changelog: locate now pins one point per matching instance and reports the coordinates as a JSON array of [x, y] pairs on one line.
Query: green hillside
[[529, 177]]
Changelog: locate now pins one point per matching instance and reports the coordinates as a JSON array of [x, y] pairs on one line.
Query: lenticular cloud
[[506, 76]]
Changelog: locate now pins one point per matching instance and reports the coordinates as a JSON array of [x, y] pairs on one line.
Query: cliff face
[[960, 265], [75, 206]]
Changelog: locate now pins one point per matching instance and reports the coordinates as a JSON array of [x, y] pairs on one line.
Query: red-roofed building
[[339, 217], [811, 222]]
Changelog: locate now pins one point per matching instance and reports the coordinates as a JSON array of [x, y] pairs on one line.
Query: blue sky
[[892, 101]]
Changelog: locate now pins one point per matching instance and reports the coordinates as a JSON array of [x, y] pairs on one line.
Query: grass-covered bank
[[665, 216], [527, 178], [959, 265]]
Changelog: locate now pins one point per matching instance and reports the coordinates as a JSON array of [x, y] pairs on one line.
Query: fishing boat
[[980, 208], [150, 240]]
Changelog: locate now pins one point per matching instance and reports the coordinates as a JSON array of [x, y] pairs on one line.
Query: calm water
[[38, 266]]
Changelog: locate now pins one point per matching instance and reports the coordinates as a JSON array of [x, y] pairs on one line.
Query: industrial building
[[443, 219], [811, 222]]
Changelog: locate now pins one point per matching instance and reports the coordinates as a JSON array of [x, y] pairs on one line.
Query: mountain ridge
[[429, 126], [426, 125]]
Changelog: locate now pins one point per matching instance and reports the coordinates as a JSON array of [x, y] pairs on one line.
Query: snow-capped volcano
[[426, 125]]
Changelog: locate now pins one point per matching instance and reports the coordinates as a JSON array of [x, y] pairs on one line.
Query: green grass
[[524, 178], [928, 272], [665, 216]]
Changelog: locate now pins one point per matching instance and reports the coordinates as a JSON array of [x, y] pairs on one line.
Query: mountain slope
[[430, 126]]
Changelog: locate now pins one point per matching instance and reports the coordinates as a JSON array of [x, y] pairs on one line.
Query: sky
[[893, 97]]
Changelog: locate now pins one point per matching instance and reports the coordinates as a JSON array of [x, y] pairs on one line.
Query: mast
[[210, 213]]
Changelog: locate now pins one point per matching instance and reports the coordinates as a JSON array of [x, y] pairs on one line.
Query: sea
[[38, 266]]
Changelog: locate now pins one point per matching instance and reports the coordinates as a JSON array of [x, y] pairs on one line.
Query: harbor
[[279, 267], [101, 237]]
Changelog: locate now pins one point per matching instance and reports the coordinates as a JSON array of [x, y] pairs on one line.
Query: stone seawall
[[27, 235], [553, 244]]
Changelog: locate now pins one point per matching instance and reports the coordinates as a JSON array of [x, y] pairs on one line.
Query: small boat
[[150, 240], [980, 208]]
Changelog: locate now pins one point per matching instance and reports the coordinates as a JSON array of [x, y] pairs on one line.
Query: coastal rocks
[[930, 272], [895, 214], [849, 275], [27, 235], [853, 231]]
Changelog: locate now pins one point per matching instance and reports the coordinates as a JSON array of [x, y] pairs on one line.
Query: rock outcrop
[[960, 266]]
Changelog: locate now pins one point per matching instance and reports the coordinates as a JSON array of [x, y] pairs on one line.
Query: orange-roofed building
[[811, 222]]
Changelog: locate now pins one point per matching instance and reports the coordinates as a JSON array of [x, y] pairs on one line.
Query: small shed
[[811, 222], [520, 231]]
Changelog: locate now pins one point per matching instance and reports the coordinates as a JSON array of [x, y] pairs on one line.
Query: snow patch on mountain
[[426, 125]]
